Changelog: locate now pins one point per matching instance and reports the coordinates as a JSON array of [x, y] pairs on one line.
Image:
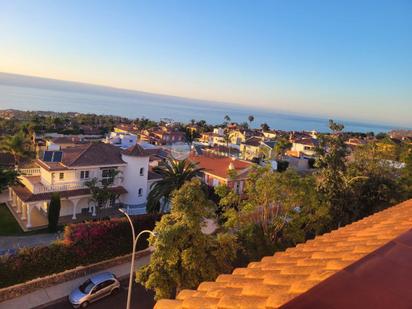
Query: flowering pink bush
[[82, 244]]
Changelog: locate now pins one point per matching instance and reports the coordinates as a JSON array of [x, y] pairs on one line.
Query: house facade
[[223, 171], [66, 171]]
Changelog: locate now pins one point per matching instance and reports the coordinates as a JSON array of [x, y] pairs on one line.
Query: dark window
[[141, 171], [140, 192], [108, 176], [84, 174], [61, 176]]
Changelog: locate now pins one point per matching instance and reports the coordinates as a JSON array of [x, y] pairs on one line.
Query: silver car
[[95, 288]]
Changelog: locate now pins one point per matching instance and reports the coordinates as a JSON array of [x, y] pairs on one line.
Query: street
[[141, 299]]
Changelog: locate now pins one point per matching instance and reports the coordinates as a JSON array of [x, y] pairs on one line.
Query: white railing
[[35, 171], [75, 185]]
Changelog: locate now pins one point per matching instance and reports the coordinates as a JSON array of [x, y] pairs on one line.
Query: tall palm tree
[[174, 175], [251, 118], [18, 145]]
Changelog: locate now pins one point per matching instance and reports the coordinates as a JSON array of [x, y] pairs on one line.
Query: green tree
[[53, 212], [18, 145], [264, 126], [331, 185], [7, 178], [282, 144], [101, 194], [406, 176], [183, 256], [174, 174], [373, 182], [280, 209]]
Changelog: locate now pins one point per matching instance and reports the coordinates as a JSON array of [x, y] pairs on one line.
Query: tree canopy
[[183, 255]]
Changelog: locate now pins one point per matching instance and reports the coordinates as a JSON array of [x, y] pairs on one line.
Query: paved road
[[141, 299]]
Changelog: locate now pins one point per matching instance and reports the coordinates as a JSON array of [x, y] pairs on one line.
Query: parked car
[[95, 288]]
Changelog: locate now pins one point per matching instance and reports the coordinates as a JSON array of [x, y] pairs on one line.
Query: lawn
[[8, 225]]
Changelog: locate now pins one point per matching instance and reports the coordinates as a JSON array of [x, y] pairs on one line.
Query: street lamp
[[135, 239]]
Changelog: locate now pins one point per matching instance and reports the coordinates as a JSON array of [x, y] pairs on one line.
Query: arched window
[[141, 171], [140, 192]]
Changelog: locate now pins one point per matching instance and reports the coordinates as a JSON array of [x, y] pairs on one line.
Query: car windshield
[[86, 287]]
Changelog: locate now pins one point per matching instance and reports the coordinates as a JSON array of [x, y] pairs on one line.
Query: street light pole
[[135, 239]]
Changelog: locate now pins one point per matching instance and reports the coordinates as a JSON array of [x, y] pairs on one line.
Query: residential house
[[304, 147], [66, 171], [163, 136], [62, 142], [223, 171], [250, 149], [256, 148], [123, 140]]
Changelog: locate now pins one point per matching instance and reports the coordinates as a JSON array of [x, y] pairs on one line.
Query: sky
[[346, 59]]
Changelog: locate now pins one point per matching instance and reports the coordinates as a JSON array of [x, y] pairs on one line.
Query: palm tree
[[174, 175], [227, 118], [264, 126], [251, 118], [7, 178], [18, 145]]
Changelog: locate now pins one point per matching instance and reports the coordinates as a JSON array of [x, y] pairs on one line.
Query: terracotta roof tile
[[219, 166], [276, 280]]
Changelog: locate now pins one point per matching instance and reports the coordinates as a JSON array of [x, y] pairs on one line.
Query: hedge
[[82, 244]]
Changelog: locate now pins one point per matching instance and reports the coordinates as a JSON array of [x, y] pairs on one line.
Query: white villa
[[66, 171], [123, 140]]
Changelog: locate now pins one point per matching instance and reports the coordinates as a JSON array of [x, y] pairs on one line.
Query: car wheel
[[85, 304], [115, 291]]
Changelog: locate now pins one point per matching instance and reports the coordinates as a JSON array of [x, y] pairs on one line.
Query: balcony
[[35, 185], [30, 171]]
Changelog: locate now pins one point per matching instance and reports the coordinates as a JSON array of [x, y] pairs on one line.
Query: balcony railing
[[35, 171], [68, 186]]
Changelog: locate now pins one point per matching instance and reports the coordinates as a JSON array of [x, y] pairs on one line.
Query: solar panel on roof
[[48, 155], [52, 156], [57, 156]]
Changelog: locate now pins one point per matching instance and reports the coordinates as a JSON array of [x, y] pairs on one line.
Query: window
[[84, 175], [108, 176], [141, 171], [140, 192], [61, 176]]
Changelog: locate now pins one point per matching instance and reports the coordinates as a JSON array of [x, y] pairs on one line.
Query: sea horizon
[[30, 93]]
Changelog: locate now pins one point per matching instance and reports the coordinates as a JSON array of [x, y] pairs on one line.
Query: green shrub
[[282, 165], [82, 244]]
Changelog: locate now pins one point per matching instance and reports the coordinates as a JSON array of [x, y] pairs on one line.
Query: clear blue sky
[[346, 59]]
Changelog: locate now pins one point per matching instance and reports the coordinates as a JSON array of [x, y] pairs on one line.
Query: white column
[[11, 195], [23, 210], [94, 210], [18, 204], [75, 202], [28, 208]]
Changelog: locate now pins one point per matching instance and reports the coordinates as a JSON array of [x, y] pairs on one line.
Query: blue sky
[[345, 59]]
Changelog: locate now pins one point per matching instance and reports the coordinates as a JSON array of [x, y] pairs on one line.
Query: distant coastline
[[33, 93]]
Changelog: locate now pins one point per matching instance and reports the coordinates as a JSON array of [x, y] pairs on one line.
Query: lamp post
[[135, 239]]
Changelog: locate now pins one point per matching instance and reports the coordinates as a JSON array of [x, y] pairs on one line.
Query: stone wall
[[80, 271]]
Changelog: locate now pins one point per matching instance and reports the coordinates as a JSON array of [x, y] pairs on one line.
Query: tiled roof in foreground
[[276, 280]]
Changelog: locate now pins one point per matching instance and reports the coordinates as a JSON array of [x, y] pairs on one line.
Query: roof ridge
[[80, 154]]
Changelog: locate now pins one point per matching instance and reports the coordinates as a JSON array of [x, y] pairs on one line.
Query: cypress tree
[[53, 212]]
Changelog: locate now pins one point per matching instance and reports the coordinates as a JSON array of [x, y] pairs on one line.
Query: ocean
[[29, 93]]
